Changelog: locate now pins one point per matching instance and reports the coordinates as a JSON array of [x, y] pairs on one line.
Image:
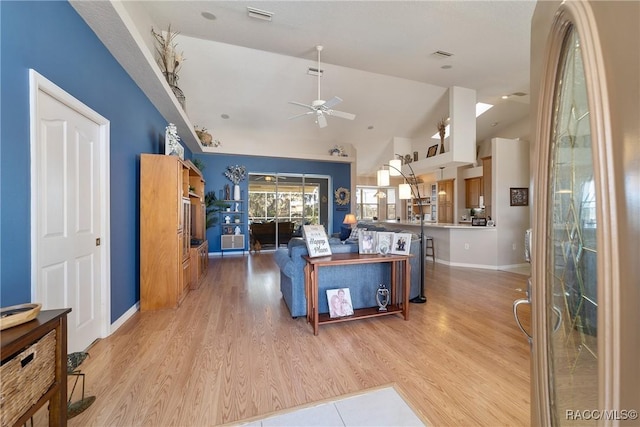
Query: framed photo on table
[[401, 243], [385, 240], [339, 301], [367, 242]]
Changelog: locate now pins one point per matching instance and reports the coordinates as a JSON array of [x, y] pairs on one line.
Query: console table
[[399, 265], [14, 342]]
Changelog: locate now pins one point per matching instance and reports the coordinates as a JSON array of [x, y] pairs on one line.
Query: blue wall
[[50, 37], [215, 165]]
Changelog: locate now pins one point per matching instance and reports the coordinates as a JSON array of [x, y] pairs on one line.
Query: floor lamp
[[405, 191]]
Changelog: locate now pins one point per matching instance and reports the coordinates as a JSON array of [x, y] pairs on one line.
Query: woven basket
[[26, 378]]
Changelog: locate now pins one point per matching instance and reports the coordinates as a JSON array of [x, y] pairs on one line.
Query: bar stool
[[430, 249]]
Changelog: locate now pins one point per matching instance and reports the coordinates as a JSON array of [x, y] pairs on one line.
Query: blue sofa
[[366, 276]]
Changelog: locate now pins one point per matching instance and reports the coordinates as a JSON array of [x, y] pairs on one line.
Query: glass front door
[[571, 246]]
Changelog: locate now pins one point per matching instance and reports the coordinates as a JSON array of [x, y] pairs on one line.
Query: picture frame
[[339, 301], [367, 242], [385, 241], [401, 243], [432, 151], [519, 196]]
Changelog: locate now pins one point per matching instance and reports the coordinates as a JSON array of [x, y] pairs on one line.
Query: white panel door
[[68, 218]]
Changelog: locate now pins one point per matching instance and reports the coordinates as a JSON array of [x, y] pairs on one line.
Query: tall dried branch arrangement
[[442, 124], [169, 59]]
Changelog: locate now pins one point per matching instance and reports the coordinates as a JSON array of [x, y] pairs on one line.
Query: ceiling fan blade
[[300, 115], [321, 120], [331, 103], [341, 114], [302, 105]]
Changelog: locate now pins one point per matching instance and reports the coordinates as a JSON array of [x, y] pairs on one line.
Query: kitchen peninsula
[[459, 245]]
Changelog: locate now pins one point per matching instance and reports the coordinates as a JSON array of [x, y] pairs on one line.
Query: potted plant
[[213, 206]]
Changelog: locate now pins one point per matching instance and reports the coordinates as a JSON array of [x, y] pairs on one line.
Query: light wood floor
[[231, 352]]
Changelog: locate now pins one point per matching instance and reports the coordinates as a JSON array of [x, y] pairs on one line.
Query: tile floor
[[381, 407]]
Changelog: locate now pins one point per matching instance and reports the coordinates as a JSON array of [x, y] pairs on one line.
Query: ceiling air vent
[[314, 72], [259, 14], [441, 54], [519, 94]]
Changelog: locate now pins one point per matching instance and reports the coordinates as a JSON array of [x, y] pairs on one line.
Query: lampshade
[[395, 167], [383, 178], [404, 191], [350, 219]]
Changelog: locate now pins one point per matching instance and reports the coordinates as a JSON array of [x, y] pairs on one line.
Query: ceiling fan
[[269, 178], [321, 108]]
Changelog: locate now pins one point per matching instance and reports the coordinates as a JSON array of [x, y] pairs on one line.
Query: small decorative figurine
[[227, 192], [227, 219], [382, 297], [237, 231]]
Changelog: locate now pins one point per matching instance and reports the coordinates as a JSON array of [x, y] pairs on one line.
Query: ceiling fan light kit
[[320, 107]]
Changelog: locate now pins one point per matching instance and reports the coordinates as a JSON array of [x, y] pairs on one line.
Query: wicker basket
[[26, 378]]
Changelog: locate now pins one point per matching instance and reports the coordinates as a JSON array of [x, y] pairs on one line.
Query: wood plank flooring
[[231, 351]]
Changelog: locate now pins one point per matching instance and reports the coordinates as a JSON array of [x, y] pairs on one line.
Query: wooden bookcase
[[172, 213]]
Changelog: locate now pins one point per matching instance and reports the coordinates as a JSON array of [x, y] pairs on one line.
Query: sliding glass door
[[279, 204]]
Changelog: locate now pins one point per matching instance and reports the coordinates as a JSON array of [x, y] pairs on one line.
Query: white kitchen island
[[459, 245]]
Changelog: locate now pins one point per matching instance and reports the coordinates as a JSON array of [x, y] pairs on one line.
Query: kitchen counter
[[433, 224], [460, 245]]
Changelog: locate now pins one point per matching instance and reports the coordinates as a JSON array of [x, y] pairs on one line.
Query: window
[[375, 202]]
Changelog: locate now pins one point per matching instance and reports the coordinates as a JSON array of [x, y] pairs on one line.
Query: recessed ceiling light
[[224, 116], [259, 14], [370, 127], [208, 15], [494, 124], [505, 96], [446, 67]]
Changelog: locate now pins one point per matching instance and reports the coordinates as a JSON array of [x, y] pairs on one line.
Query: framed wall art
[[519, 196], [432, 151]]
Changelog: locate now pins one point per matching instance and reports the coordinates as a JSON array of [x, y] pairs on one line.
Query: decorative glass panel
[[571, 277]]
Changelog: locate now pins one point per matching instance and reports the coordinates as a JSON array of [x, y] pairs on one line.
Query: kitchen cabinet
[[445, 201], [473, 190], [486, 185]]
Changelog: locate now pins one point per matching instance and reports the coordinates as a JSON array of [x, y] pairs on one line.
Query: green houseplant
[[213, 206]]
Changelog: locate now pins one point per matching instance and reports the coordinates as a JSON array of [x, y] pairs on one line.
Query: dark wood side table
[[399, 264], [17, 338]]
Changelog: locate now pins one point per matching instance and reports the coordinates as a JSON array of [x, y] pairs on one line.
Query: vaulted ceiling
[[378, 57]]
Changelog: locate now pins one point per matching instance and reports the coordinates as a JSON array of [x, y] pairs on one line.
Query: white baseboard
[[126, 316], [512, 266], [465, 265]]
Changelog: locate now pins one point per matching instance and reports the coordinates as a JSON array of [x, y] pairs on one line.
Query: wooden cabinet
[[171, 190], [39, 350], [199, 264], [445, 201], [473, 190], [486, 185]]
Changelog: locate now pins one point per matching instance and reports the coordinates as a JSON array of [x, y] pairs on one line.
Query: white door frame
[[39, 83]]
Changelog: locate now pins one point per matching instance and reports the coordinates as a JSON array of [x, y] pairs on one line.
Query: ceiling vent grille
[[314, 72], [259, 14], [441, 54], [519, 94]]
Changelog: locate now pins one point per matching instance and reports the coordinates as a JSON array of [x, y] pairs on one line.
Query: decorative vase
[[382, 297], [236, 192], [441, 145]]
